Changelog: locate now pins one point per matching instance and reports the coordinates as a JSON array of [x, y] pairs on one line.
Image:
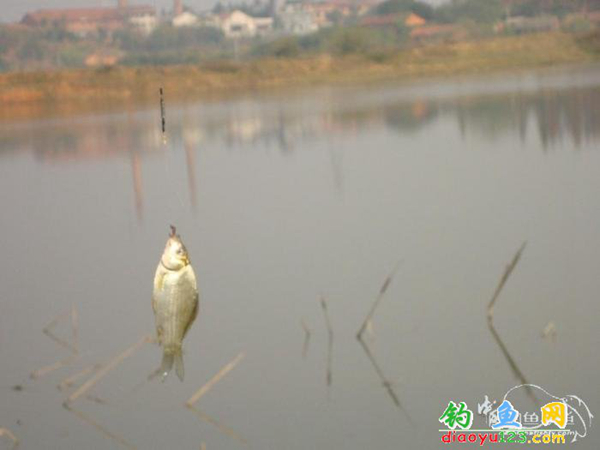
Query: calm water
[[282, 200]]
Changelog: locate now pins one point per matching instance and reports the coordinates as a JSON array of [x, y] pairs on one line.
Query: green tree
[[482, 11], [554, 7], [405, 6], [286, 47], [128, 39], [347, 41], [31, 50], [335, 17], [56, 31], [72, 56]]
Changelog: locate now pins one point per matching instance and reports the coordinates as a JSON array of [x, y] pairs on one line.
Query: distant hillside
[[89, 88]]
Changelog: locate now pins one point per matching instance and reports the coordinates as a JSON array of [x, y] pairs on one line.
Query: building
[[238, 24], [521, 24], [101, 59], [414, 20], [324, 11], [209, 19], [276, 7], [178, 8], [144, 23], [296, 21], [89, 21], [185, 19]]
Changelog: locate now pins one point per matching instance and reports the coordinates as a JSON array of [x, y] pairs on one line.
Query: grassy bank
[[86, 89]]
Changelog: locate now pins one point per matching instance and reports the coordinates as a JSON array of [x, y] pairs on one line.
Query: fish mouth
[[183, 260]]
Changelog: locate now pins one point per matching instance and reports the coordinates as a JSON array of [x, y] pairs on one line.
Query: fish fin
[[179, 364], [167, 364]]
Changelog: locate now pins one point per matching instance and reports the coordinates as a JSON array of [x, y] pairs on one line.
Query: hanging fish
[[175, 303]]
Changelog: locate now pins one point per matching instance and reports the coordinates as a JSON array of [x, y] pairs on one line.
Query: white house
[[185, 19], [144, 23], [296, 21], [239, 24], [208, 19]]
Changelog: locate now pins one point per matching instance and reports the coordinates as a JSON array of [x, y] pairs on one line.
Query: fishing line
[[167, 148]]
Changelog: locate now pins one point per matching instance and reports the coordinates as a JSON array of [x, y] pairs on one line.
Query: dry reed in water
[[72, 347], [359, 336], [306, 338], [382, 291], [329, 376], [108, 367], [105, 432], [511, 362], [509, 269], [48, 330], [72, 379], [384, 381], [214, 380], [207, 387], [222, 428], [52, 367], [490, 316], [102, 371]]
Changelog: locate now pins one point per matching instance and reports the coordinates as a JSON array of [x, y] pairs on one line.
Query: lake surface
[[286, 199]]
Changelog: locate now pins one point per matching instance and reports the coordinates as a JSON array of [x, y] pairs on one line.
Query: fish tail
[[172, 356], [166, 364], [179, 364]]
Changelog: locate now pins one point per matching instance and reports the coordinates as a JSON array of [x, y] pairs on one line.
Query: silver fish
[[175, 303]]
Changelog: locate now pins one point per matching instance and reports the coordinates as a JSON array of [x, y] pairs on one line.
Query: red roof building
[[83, 21]]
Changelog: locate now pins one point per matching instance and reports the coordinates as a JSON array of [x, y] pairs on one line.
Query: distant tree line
[[424, 10], [53, 46]]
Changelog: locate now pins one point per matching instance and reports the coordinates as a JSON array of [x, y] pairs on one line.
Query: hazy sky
[[13, 10]]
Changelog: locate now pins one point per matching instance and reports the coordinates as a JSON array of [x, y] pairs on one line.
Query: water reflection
[[138, 190], [190, 159], [194, 399], [329, 375], [71, 346], [490, 319], [550, 115], [261, 172], [571, 114], [385, 382]]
